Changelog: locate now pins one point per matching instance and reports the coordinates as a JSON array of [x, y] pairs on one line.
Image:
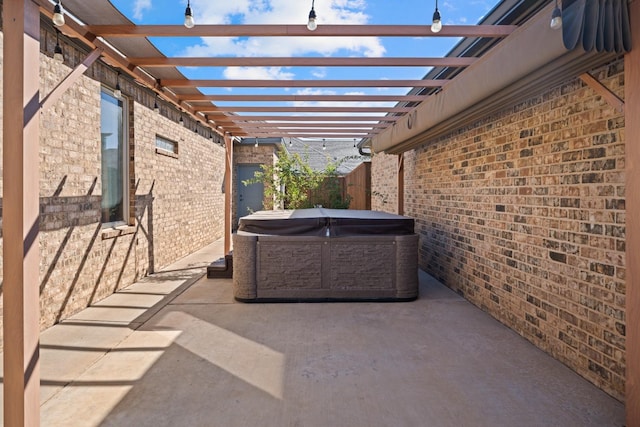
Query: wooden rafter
[[313, 135], [300, 98], [161, 61], [310, 130], [267, 125], [299, 31], [301, 83], [288, 109], [341, 119]]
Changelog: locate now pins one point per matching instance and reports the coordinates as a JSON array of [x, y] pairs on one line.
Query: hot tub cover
[[326, 222]]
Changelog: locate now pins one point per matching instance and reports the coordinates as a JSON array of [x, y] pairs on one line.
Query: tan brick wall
[[524, 215], [177, 201], [181, 197], [384, 182]]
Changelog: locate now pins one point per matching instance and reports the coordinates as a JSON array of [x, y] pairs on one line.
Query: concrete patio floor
[[176, 350]]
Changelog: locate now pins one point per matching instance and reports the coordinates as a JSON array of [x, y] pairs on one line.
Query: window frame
[[169, 142], [125, 160]]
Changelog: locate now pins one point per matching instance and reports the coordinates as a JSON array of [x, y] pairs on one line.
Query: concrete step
[[222, 268]]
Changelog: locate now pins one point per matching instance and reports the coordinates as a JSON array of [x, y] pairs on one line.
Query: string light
[[436, 25], [58, 56], [556, 18], [189, 22], [118, 92], [58, 15], [312, 24]]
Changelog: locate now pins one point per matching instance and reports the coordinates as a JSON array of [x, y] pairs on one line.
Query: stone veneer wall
[[177, 202], [524, 214]]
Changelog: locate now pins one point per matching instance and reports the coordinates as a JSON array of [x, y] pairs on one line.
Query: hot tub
[[325, 255]]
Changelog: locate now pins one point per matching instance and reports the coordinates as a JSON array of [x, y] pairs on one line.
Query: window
[[166, 144], [114, 140]]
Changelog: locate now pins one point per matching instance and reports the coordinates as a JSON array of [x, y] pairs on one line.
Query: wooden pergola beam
[[312, 135], [299, 31], [288, 109], [342, 119], [268, 125], [276, 131], [160, 61], [304, 98], [301, 83]]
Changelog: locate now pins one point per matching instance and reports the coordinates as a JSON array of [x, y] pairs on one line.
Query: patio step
[[222, 268]]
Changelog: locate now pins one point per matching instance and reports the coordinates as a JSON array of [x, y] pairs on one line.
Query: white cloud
[[257, 73], [314, 91], [282, 12], [139, 6], [319, 72]]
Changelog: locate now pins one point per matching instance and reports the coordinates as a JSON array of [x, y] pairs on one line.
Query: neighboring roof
[[335, 151]]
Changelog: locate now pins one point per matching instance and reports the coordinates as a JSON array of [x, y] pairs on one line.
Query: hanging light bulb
[[556, 18], [156, 107], [312, 24], [58, 56], [354, 143], [324, 144], [118, 92], [436, 25], [256, 143], [290, 143], [181, 121], [58, 15], [189, 22]]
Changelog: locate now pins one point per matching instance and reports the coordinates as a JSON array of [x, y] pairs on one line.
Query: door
[[250, 196]]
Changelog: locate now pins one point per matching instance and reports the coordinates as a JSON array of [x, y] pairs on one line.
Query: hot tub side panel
[[327, 268]]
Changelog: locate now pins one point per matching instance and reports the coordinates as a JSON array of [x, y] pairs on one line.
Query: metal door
[[250, 197]]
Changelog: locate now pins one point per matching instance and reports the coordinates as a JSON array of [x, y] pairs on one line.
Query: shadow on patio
[[176, 350]]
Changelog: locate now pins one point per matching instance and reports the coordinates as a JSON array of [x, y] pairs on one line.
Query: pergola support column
[[632, 173], [401, 184], [228, 191], [21, 307]]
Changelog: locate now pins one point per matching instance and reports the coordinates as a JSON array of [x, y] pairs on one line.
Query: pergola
[[125, 46]]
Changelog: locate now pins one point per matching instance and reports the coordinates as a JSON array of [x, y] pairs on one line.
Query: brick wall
[[524, 214], [177, 202], [179, 197], [384, 179]]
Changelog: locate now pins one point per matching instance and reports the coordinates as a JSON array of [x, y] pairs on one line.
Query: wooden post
[[228, 191], [632, 173], [21, 27], [401, 184]]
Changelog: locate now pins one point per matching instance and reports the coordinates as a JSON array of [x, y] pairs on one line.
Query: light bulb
[[436, 26], [118, 92], [156, 107], [181, 121], [312, 24], [58, 15], [57, 54], [189, 22], [256, 143], [556, 18]]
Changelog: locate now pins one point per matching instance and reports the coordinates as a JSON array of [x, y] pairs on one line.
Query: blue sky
[[296, 12]]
